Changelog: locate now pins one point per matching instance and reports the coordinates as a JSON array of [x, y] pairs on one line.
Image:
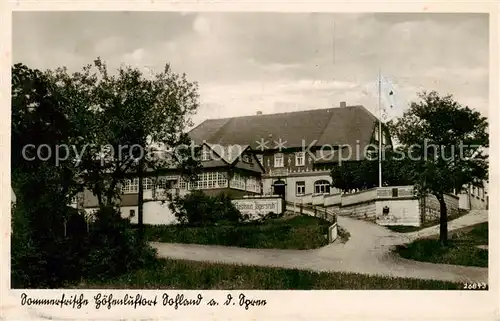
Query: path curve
[[368, 251]]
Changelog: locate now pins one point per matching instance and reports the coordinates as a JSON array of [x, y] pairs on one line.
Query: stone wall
[[366, 210], [431, 209]]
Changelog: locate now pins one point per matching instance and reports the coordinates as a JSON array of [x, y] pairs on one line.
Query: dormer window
[[246, 158], [279, 160], [300, 159], [205, 154]]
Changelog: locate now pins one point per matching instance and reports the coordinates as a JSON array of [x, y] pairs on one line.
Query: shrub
[[114, 247], [197, 208], [105, 248]]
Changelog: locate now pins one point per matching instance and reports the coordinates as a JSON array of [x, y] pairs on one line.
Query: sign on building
[[259, 206]]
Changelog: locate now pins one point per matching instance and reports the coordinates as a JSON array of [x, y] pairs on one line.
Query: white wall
[[354, 198], [332, 199], [125, 213], [474, 198], [463, 201], [155, 213], [401, 212]]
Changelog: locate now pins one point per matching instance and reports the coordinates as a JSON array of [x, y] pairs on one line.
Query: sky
[[275, 62]]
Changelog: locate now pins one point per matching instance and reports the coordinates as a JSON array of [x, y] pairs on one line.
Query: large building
[[287, 154], [297, 149]]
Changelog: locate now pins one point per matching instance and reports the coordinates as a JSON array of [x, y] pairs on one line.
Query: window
[[182, 184], [167, 182], [147, 184], [261, 159], [205, 154], [300, 159], [473, 190], [221, 180], [161, 183], [253, 185], [278, 160], [322, 187], [206, 180], [246, 158], [238, 181], [130, 186], [132, 213], [300, 188]]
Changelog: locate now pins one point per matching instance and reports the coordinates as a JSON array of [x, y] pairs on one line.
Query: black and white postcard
[[249, 160]]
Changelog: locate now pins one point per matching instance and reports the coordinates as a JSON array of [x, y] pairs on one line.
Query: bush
[[114, 247], [105, 248], [197, 208], [300, 232]]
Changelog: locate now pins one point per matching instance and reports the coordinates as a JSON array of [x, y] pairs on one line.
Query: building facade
[[231, 170], [474, 197]]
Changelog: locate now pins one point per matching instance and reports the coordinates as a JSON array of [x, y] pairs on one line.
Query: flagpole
[[379, 131]]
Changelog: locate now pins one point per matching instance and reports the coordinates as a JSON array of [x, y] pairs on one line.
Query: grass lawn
[[462, 248], [299, 232], [180, 274], [409, 229]]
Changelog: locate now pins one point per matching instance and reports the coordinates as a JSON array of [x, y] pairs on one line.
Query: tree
[[444, 144], [363, 174], [43, 183], [121, 116], [94, 116]]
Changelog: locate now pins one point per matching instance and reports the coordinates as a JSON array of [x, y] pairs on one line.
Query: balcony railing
[[286, 171]]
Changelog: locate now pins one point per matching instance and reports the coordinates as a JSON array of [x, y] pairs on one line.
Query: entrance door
[[279, 188]]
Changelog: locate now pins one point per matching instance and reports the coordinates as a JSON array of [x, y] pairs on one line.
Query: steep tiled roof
[[343, 125], [229, 153]]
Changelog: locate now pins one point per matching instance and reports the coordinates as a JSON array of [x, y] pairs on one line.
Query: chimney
[[259, 113], [342, 104]]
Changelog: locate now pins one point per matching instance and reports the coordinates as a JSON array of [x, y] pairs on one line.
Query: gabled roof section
[[207, 129], [336, 126], [347, 126], [228, 153]]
